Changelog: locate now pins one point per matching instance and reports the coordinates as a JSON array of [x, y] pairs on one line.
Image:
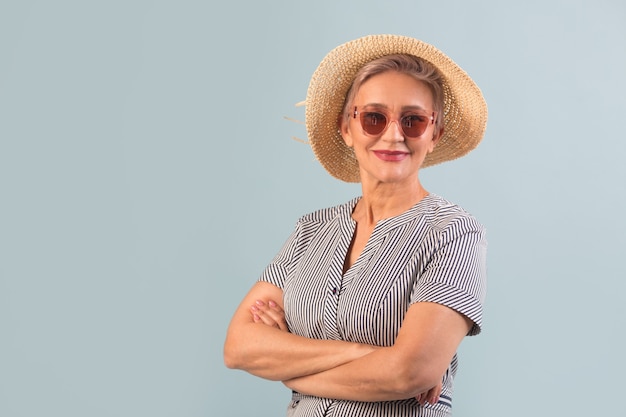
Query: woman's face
[[389, 156]]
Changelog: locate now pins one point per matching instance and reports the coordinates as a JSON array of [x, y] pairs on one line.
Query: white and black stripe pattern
[[433, 252]]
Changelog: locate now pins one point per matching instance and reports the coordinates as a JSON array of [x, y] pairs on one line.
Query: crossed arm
[[257, 342], [274, 354]]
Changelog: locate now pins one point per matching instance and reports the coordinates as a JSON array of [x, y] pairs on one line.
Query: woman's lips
[[392, 156]]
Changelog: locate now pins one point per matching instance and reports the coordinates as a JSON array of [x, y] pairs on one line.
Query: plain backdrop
[[147, 175]]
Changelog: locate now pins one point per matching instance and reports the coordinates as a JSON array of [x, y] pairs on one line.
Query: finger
[[260, 316], [274, 306], [278, 315], [278, 310], [278, 320], [271, 310], [256, 318], [434, 393], [265, 314]]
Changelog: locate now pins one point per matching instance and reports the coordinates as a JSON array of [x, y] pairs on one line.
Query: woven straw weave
[[465, 110]]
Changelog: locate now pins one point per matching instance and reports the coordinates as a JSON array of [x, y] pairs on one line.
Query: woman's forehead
[[393, 89]]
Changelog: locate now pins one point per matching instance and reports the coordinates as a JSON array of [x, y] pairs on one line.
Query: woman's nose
[[393, 132]]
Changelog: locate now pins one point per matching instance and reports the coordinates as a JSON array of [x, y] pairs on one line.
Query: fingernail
[[272, 304], [259, 302], [254, 308]]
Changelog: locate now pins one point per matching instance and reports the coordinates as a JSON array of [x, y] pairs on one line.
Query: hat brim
[[465, 109]]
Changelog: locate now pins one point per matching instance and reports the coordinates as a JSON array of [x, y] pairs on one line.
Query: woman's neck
[[382, 201]]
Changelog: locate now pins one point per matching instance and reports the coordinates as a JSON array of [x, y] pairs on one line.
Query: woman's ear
[[436, 136], [343, 125]]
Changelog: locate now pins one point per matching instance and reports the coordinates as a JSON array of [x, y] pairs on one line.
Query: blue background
[[147, 175]]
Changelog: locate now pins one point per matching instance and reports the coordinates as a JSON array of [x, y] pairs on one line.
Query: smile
[[391, 156]]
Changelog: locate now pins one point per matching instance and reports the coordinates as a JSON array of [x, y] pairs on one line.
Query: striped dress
[[435, 252]]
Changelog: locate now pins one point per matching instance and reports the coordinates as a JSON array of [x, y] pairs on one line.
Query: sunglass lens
[[373, 122], [414, 125]]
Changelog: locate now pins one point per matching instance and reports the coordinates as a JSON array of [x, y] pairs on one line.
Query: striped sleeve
[[278, 270], [455, 274]]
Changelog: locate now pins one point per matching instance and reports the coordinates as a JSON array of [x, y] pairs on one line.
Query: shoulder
[[327, 214], [443, 216]]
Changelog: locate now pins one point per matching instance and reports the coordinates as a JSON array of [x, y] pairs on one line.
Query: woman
[[363, 309]]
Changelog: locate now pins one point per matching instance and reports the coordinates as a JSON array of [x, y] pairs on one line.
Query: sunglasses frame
[[398, 121]]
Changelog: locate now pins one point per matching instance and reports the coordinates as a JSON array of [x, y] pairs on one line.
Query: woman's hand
[[431, 396], [269, 313]]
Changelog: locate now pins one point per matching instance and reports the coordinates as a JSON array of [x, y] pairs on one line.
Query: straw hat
[[465, 110]]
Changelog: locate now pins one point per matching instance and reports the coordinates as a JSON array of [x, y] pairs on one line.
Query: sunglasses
[[413, 123]]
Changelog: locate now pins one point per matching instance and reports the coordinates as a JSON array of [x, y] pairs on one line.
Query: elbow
[[229, 360], [241, 355], [238, 357], [411, 381], [232, 357]]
